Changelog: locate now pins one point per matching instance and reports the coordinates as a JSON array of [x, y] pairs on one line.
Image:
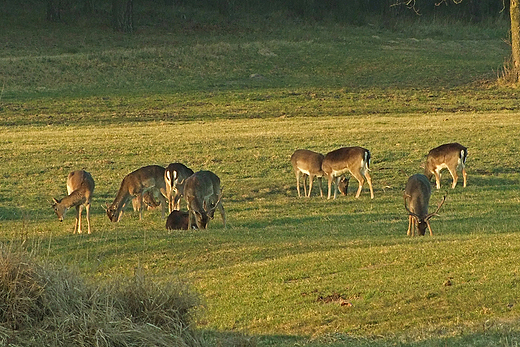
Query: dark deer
[[451, 156], [149, 200], [355, 160], [178, 220], [203, 193], [416, 200], [80, 186]]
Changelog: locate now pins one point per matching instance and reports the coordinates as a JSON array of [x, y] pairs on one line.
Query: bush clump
[[42, 306]]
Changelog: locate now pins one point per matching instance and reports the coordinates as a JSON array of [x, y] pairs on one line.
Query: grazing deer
[[135, 184], [343, 185], [149, 200], [178, 220], [308, 163], [416, 200], [203, 193], [353, 159], [451, 156], [80, 186], [174, 176]]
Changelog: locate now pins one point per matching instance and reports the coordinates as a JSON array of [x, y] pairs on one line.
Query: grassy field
[[286, 271]]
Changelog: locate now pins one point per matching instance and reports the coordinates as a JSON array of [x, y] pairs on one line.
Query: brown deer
[[178, 220], [356, 160], [148, 198], [343, 185], [451, 156], [203, 193], [416, 200], [175, 175], [80, 186], [135, 184], [307, 163]]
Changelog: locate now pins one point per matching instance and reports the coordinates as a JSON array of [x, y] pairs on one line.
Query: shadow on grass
[[500, 183], [297, 222], [496, 336], [14, 213]]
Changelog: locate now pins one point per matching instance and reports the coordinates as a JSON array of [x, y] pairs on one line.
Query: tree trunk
[[123, 15], [514, 12], [53, 11]]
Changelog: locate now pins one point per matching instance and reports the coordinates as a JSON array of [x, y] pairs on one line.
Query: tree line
[[123, 14]]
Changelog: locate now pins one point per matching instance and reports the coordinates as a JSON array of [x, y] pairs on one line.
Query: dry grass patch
[[42, 306]]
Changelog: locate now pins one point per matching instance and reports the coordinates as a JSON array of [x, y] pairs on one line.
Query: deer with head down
[[355, 160], [451, 156], [308, 163], [416, 200], [203, 194], [136, 184], [148, 200], [80, 186]]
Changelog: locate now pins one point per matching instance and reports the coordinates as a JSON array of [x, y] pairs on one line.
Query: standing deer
[[203, 193], [308, 163], [175, 176], [416, 200], [80, 186], [451, 156], [135, 184], [356, 160]]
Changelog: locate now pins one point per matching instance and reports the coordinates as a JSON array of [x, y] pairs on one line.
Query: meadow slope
[[285, 271]]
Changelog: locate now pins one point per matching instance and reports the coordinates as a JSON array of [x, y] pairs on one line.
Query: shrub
[[42, 306]]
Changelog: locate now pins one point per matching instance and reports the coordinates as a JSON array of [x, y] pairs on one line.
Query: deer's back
[[341, 158], [182, 170], [417, 193], [80, 180], [201, 184], [145, 177], [307, 161], [446, 151]]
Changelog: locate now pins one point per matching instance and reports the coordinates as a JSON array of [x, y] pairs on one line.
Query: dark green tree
[[512, 72], [53, 10], [123, 15]]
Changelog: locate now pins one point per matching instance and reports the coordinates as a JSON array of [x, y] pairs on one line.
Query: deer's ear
[[168, 177], [55, 201]]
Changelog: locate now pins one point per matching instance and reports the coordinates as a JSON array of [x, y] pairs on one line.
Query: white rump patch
[[438, 168], [462, 160]]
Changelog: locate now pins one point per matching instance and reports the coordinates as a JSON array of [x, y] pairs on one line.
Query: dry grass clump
[[41, 306], [21, 292]]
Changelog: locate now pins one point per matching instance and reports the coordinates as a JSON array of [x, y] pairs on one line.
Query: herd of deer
[[201, 190], [203, 193], [356, 160]]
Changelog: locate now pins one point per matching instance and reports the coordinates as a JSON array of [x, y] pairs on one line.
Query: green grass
[[265, 272], [281, 269]]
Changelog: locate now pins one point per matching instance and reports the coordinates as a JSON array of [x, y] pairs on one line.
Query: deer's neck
[[121, 198], [75, 198]]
